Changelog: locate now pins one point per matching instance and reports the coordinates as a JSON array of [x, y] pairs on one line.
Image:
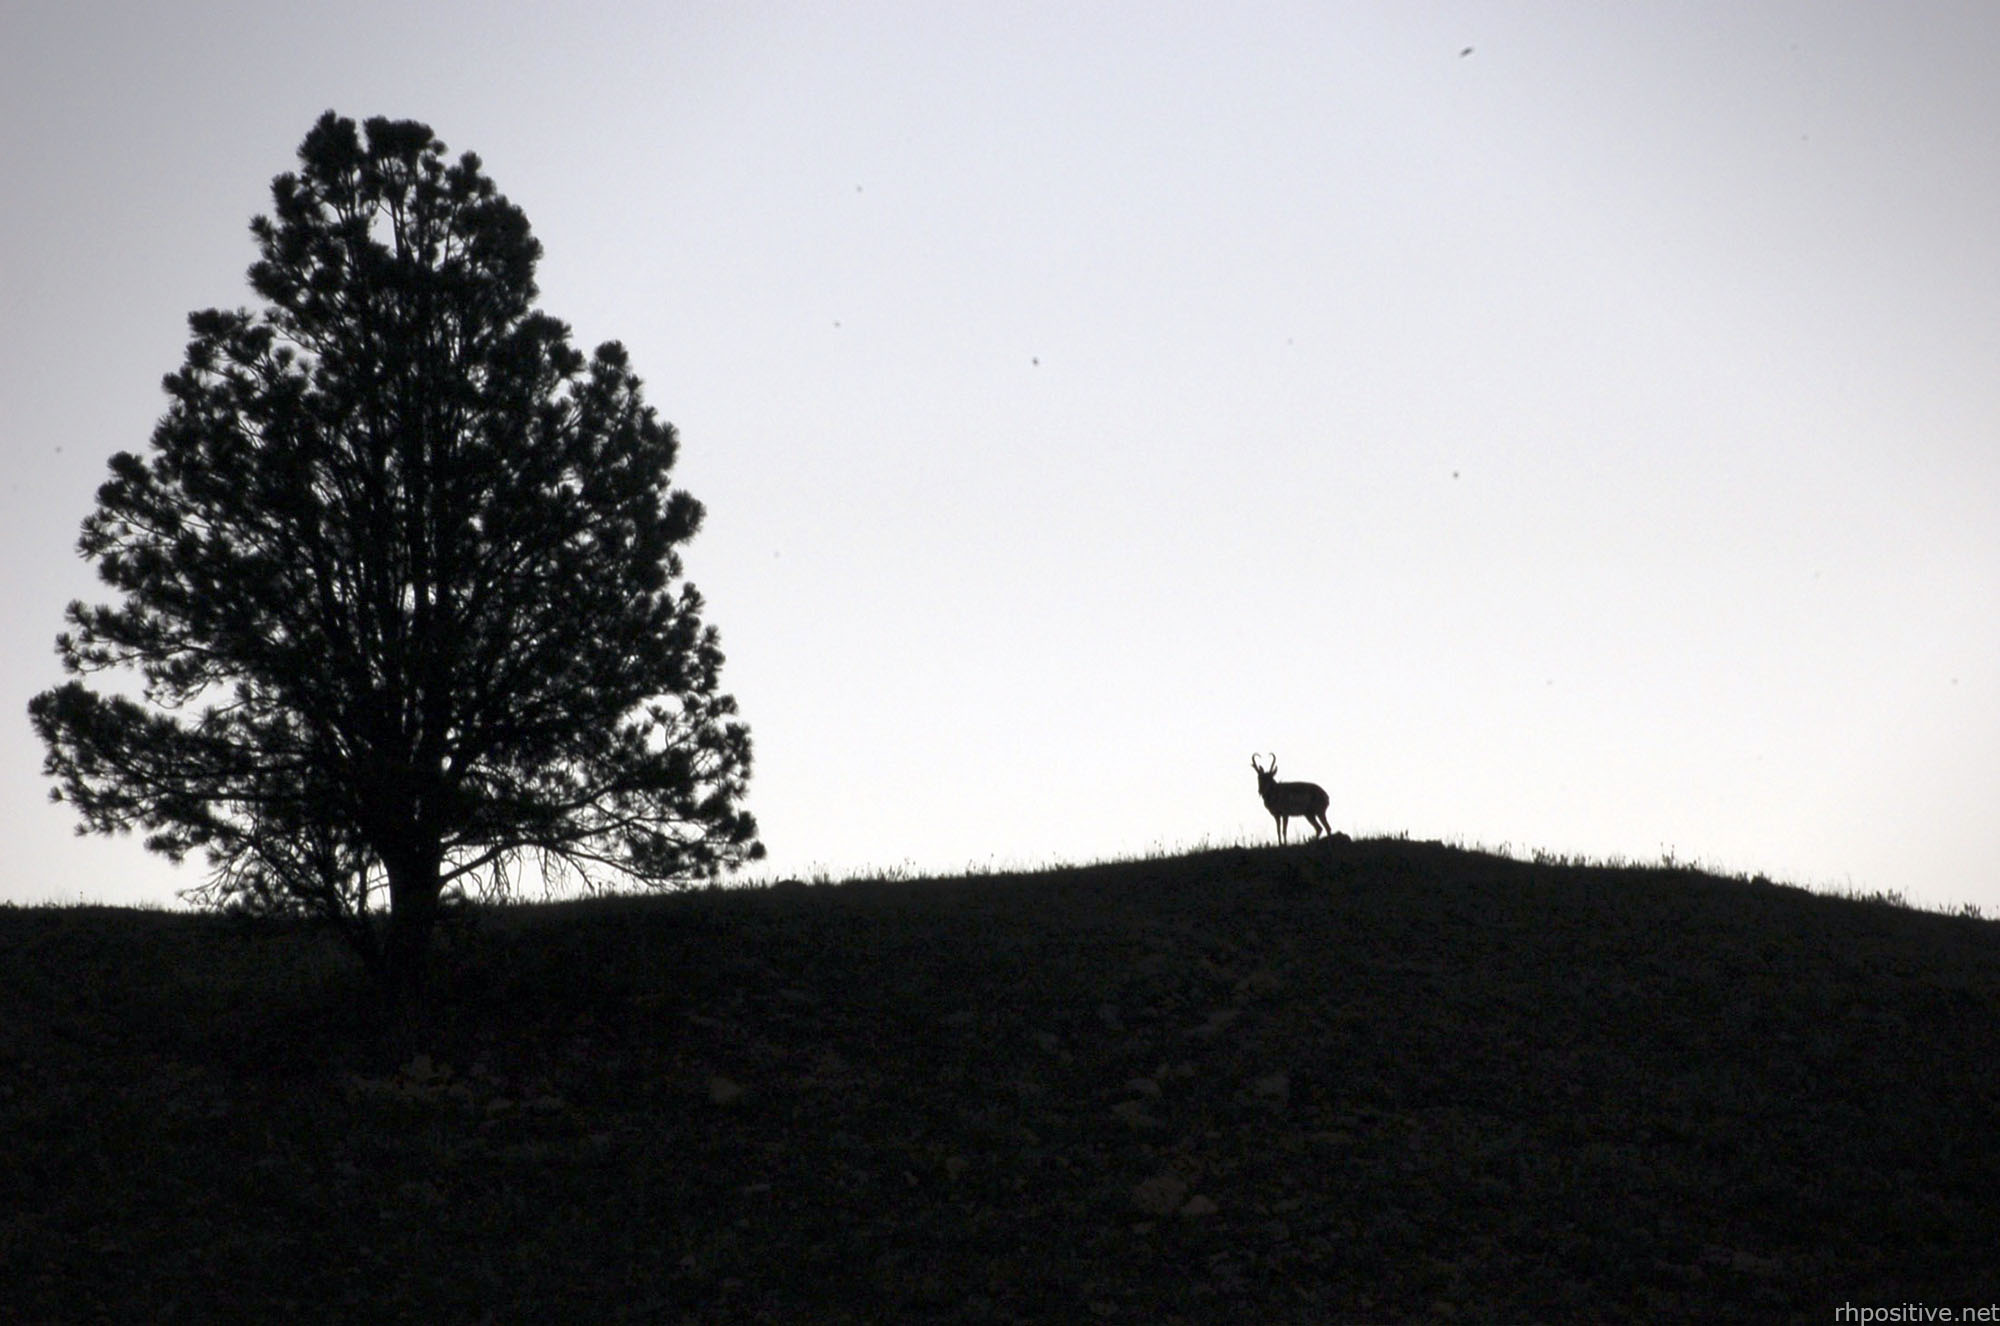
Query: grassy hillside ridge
[[1373, 1081]]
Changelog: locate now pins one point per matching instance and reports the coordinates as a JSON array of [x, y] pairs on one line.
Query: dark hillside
[[1377, 1081]]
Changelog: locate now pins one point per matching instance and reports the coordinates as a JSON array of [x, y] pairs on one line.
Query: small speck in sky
[[1463, 53]]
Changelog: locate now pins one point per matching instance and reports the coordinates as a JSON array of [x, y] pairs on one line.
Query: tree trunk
[[414, 887]]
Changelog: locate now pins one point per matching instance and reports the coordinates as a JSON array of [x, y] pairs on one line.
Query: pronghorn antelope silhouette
[[1285, 800]]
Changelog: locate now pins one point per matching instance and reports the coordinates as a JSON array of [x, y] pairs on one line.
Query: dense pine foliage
[[399, 579]]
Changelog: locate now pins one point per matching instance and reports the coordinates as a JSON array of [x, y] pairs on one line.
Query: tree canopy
[[399, 580]]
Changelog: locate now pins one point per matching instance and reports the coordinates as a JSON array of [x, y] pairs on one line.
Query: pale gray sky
[[1590, 442]]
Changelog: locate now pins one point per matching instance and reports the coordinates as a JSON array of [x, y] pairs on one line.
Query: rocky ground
[[1378, 1081]]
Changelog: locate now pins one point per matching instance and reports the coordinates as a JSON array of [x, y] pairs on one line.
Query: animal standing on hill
[[1285, 800]]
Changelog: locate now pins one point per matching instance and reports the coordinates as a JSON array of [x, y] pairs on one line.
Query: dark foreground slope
[[1379, 1081]]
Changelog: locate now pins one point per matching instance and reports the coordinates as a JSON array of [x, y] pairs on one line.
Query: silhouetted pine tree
[[400, 577]]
